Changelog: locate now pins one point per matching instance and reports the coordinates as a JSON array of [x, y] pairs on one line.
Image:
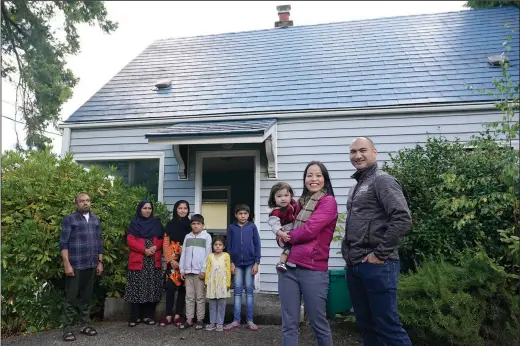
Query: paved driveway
[[118, 333]]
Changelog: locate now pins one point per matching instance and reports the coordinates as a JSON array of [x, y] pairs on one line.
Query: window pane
[[132, 172]]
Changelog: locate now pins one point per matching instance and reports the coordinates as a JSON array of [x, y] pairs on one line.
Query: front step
[[267, 309]]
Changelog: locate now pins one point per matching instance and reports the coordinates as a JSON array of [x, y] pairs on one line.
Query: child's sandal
[[251, 326], [199, 325], [185, 325]]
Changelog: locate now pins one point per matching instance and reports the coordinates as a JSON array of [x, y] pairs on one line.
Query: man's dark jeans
[[78, 294], [373, 291]]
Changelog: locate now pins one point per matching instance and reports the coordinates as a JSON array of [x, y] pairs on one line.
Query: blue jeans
[[243, 274], [373, 291]]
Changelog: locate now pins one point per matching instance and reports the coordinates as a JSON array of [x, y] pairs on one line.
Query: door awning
[[218, 132], [214, 132]]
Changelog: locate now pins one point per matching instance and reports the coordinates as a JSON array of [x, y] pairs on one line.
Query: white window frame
[[130, 156]]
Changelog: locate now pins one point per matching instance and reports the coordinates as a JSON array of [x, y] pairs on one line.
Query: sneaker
[[219, 328], [210, 326], [281, 267]]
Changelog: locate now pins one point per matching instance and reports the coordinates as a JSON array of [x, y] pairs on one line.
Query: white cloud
[[141, 22]]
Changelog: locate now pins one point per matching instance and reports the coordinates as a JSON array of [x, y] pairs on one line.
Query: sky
[[102, 56]]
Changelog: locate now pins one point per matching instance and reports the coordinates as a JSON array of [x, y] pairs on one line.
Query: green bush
[[38, 190], [470, 304], [459, 197]]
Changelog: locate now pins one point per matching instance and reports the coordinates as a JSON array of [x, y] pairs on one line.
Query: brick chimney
[[283, 14]]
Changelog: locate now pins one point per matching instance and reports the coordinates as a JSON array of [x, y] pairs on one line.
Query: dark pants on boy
[[78, 294], [373, 291], [171, 288]]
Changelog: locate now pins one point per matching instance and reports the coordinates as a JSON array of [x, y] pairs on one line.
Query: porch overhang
[[219, 132]]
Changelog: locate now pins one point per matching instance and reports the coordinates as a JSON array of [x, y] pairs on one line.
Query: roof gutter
[[456, 107]]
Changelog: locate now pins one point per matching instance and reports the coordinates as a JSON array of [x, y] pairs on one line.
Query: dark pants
[[78, 294], [313, 285], [373, 291], [171, 288], [142, 310]]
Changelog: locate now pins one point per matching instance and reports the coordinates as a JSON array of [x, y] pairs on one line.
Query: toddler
[[218, 282], [281, 218]]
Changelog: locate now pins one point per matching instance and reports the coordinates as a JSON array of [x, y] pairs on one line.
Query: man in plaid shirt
[[81, 246]]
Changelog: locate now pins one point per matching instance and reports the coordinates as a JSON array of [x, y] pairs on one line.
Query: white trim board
[[200, 155], [65, 142], [130, 156]]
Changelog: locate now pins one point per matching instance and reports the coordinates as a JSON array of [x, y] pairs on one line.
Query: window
[[145, 171]]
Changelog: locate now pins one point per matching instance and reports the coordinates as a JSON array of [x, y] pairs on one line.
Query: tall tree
[[487, 3], [34, 56]]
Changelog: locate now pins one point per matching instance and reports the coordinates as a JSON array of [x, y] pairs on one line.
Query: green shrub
[[471, 304], [38, 190], [459, 198]]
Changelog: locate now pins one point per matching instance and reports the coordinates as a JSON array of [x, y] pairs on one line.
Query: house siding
[[327, 140], [299, 141]]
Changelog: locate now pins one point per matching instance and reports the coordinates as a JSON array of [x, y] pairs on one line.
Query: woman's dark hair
[[220, 239], [281, 185], [327, 186], [175, 216]]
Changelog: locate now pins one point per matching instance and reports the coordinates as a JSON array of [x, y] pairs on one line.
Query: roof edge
[[419, 108]]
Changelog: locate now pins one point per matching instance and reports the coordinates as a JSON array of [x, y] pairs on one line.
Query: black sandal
[[89, 331], [69, 336], [132, 324], [199, 326], [148, 321], [185, 325]]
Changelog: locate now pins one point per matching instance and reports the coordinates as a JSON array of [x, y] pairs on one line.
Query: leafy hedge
[[38, 190], [460, 197], [470, 304], [463, 249]]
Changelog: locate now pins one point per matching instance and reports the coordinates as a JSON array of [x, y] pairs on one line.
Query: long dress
[[145, 285], [218, 276]]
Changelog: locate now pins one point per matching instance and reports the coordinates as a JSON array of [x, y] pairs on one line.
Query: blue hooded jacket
[[243, 244]]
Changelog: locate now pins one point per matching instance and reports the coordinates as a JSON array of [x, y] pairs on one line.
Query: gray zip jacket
[[377, 217]]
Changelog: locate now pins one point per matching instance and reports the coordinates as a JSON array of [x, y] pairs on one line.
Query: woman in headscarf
[[144, 279], [176, 230]]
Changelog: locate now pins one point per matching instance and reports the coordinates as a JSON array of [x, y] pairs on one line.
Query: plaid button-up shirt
[[83, 240], [286, 214]]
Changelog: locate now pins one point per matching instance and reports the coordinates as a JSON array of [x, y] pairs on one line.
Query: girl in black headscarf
[[176, 231], [144, 277]]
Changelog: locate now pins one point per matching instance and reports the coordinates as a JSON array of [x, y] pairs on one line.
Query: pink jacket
[[311, 242]]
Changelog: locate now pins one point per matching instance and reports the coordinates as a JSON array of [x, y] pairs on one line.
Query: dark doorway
[[226, 182]]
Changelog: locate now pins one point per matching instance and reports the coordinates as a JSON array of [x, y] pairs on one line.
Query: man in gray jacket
[[377, 220]]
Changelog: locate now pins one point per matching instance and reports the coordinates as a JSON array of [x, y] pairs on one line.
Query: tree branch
[[5, 15]]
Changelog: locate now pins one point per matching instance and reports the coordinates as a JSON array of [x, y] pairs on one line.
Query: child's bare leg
[[283, 257]]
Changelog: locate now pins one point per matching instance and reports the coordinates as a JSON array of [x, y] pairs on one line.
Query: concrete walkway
[[118, 333], [267, 309]]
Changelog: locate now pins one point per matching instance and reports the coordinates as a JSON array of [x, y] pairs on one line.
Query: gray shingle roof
[[215, 128], [420, 59]]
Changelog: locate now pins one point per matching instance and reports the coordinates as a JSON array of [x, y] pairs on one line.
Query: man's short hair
[[242, 207], [80, 194], [367, 138], [197, 218]]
